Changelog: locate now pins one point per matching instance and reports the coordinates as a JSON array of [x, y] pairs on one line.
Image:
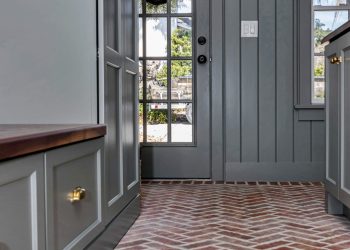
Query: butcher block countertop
[[337, 33], [18, 140]]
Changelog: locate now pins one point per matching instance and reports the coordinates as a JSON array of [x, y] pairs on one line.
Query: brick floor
[[235, 215]]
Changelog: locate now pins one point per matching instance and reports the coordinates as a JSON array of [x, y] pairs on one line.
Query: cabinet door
[[344, 189], [130, 101], [110, 113], [73, 224], [118, 109], [22, 216], [332, 121]]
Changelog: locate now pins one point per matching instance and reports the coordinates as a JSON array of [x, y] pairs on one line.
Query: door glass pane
[[181, 6], [156, 37], [319, 79], [140, 80], [181, 122], [139, 4], [140, 122], [329, 2], [181, 79], [140, 38], [327, 21], [157, 80], [157, 122], [156, 9], [181, 36]]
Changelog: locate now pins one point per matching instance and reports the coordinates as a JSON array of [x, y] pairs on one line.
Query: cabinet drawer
[[73, 224]]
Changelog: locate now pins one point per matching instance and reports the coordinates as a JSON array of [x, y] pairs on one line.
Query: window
[[166, 81], [328, 15]]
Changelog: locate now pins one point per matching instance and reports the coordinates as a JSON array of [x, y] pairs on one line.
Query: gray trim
[[309, 106], [311, 115], [272, 171], [305, 76], [232, 81], [217, 73]]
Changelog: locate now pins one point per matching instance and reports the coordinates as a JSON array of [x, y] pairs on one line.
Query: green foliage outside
[[319, 70], [157, 116], [158, 9], [140, 114], [181, 45], [319, 32], [160, 116]]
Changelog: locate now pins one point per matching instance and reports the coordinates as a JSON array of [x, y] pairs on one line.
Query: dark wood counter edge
[[337, 33], [37, 142]]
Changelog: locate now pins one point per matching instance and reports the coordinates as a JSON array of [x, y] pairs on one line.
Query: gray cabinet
[[22, 205], [53, 200], [332, 120], [74, 177], [338, 124]]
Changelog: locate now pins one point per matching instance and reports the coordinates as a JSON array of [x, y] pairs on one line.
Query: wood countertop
[[18, 140], [337, 33]]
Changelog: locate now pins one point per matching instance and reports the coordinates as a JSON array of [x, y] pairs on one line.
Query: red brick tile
[[238, 216]]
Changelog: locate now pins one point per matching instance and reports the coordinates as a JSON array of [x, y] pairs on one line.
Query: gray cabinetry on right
[[337, 181]]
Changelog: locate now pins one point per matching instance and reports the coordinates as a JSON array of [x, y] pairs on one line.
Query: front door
[[174, 107]]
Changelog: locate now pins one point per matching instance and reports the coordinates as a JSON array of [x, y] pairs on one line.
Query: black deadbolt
[[202, 40], [202, 59]]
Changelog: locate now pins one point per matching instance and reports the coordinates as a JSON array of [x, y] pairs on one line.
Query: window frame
[[314, 8]]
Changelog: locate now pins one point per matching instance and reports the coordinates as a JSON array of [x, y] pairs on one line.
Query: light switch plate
[[249, 29]]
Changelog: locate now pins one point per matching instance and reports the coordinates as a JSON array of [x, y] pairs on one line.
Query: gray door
[[118, 101], [174, 107]]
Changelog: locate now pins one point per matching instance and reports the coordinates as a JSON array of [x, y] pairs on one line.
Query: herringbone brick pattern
[[224, 216]]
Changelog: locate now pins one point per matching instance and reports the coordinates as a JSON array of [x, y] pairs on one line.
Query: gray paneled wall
[[264, 138]]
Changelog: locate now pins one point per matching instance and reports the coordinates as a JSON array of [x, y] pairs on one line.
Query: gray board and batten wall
[[261, 93]]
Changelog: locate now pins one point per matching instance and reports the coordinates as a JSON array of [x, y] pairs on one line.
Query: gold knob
[[77, 194], [336, 60]]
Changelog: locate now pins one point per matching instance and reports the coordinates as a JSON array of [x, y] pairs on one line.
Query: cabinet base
[[333, 206], [119, 226]]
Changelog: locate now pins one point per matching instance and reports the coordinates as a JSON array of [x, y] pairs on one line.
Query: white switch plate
[[249, 29]]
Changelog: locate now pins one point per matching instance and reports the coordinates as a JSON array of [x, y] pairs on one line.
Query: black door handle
[[202, 40], [202, 59]]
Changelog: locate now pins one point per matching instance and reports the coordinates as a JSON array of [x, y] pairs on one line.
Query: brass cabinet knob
[[336, 60], [77, 194]]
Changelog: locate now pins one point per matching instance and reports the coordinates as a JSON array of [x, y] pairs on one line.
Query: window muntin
[[166, 82], [328, 15]]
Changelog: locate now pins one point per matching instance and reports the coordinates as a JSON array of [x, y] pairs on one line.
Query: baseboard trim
[[119, 226], [281, 171]]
